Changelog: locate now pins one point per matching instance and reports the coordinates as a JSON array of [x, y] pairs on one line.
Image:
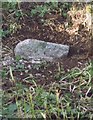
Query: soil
[[32, 27]]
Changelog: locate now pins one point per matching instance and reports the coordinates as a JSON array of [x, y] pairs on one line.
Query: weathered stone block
[[40, 50]]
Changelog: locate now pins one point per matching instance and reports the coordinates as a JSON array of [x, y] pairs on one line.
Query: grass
[[70, 98]]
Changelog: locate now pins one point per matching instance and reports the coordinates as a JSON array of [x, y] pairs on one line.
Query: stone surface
[[32, 49]]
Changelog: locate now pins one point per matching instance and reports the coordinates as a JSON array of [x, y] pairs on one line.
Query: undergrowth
[[15, 13], [69, 98]]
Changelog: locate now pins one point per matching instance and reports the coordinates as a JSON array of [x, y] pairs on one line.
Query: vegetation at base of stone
[[71, 98]]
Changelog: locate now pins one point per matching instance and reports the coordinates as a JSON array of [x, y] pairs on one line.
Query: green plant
[[14, 13], [10, 6], [40, 10], [17, 58], [4, 33], [59, 72], [49, 7], [53, 4], [3, 73]]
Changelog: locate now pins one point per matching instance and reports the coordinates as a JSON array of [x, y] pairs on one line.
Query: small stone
[[21, 73], [38, 74], [20, 61], [43, 76], [35, 61], [26, 71], [29, 66]]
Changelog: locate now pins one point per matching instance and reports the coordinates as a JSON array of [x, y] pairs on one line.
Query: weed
[[3, 73], [42, 104], [49, 7], [59, 72], [14, 14], [4, 33], [41, 10]]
